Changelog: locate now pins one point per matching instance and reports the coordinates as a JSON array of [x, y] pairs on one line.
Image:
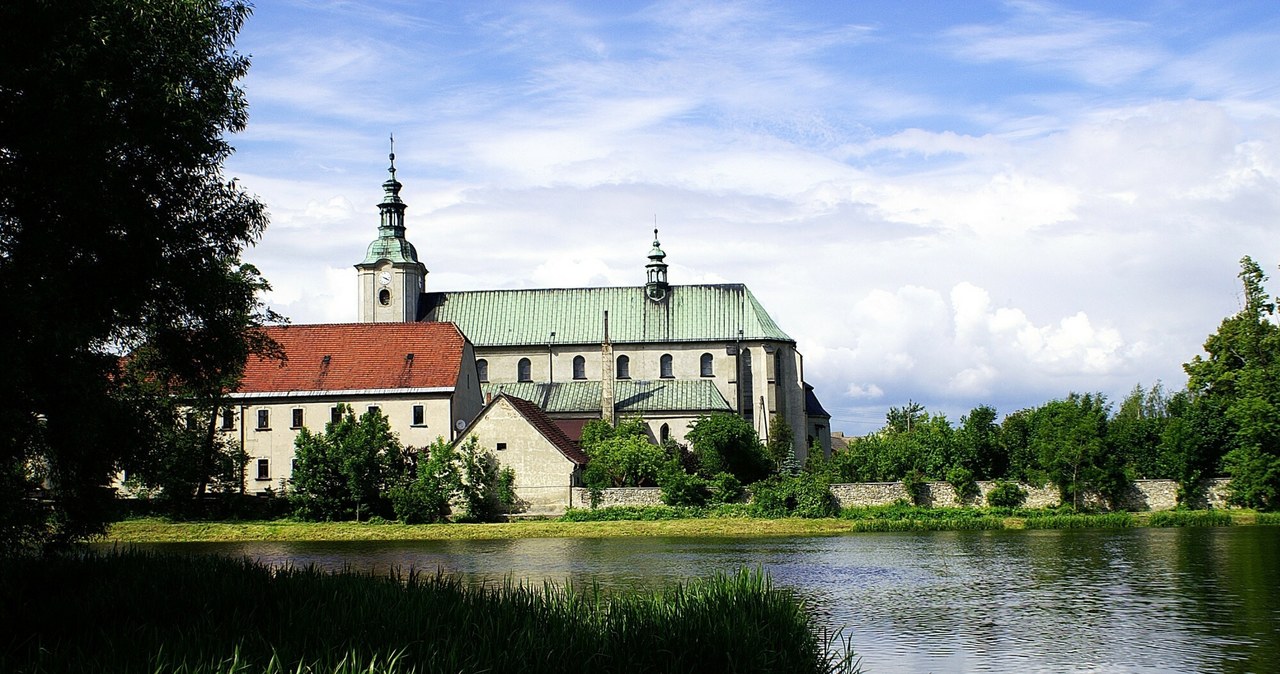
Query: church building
[[666, 353]]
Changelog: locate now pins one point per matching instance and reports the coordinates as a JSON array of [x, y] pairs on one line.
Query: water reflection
[[1144, 600]]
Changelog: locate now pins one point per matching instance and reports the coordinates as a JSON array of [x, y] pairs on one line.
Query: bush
[[1006, 494], [725, 488], [682, 489], [793, 496], [913, 483], [962, 481]]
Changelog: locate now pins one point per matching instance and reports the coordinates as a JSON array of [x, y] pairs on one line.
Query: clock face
[[384, 277]]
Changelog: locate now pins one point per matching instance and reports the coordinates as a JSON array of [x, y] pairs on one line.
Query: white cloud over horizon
[[989, 203]]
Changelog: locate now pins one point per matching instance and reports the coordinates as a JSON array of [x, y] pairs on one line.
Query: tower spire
[[391, 244], [656, 271]]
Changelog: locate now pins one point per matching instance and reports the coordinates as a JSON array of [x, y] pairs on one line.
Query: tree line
[[1225, 422]]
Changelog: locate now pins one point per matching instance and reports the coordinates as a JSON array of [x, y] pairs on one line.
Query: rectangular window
[[264, 469], [419, 416], [502, 446], [293, 465], [296, 421], [335, 414], [374, 409], [228, 419], [264, 420]]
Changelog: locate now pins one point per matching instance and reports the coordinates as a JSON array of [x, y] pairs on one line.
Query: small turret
[[655, 286]]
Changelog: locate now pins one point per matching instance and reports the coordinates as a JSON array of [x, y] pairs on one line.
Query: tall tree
[[1241, 376], [117, 230], [726, 443]]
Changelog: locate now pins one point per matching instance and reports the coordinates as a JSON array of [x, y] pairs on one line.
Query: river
[[1136, 600]]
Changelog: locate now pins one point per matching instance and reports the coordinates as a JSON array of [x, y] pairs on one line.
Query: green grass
[[1190, 518], [137, 612]]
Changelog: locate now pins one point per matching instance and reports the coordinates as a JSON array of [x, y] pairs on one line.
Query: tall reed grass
[[136, 612], [1081, 521], [1190, 518], [1268, 518]]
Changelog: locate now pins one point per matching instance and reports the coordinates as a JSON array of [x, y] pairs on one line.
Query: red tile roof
[[358, 356], [549, 430]]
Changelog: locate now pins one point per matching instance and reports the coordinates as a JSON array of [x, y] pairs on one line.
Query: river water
[[1137, 600]]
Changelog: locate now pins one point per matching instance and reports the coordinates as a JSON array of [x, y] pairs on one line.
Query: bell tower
[[391, 278]]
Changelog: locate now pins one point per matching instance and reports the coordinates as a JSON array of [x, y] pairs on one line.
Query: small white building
[[421, 376], [547, 464]]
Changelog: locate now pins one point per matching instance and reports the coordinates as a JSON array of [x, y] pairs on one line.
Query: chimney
[[606, 376]]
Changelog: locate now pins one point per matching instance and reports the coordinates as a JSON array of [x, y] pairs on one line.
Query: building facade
[[421, 376]]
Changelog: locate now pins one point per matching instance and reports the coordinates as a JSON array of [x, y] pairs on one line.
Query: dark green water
[[1140, 600]]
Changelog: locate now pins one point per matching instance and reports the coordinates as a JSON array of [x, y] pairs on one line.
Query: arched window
[[664, 366], [482, 369], [579, 367], [745, 385], [384, 297], [522, 370], [664, 433], [707, 369], [624, 367]]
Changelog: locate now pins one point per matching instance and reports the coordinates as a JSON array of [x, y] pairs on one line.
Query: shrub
[[1006, 494], [913, 483], [793, 496], [682, 489], [725, 488], [962, 481]]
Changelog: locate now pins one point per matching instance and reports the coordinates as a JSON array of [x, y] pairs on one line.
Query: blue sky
[[959, 203]]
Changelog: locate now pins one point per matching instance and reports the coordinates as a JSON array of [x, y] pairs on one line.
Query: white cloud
[[1060, 206]]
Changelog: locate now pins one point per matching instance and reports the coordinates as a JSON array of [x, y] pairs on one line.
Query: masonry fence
[[1143, 495]]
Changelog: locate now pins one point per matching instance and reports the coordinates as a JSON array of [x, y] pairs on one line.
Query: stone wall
[[1143, 495], [619, 496]]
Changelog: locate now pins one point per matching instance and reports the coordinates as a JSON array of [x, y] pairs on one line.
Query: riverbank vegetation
[[720, 521], [210, 614]]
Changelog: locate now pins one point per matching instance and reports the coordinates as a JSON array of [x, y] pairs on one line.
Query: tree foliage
[[117, 230], [347, 470], [1241, 377], [726, 443], [621, 456], [781, 445]]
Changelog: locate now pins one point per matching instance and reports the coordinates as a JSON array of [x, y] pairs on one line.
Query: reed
[[128, 611], [1190, 518], [1081, 521], [1267, 518]]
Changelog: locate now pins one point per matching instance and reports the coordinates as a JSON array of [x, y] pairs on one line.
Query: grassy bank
[[662, 521], [134, 612]]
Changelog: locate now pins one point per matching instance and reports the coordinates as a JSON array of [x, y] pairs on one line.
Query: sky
[[953, 203]]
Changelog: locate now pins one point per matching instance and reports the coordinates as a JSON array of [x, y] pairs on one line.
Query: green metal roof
[[691, 313], [632, 396]]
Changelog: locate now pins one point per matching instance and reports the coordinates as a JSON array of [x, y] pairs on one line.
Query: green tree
[[425, 494], [1134, 431], [480, 484], [978, 447], [117, 230], [347, 470], [1191, 444], [726, 443], [781, 446], [1069, 439], [1241, 375]]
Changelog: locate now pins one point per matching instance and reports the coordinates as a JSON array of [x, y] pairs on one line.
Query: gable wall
[[543, 475]]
